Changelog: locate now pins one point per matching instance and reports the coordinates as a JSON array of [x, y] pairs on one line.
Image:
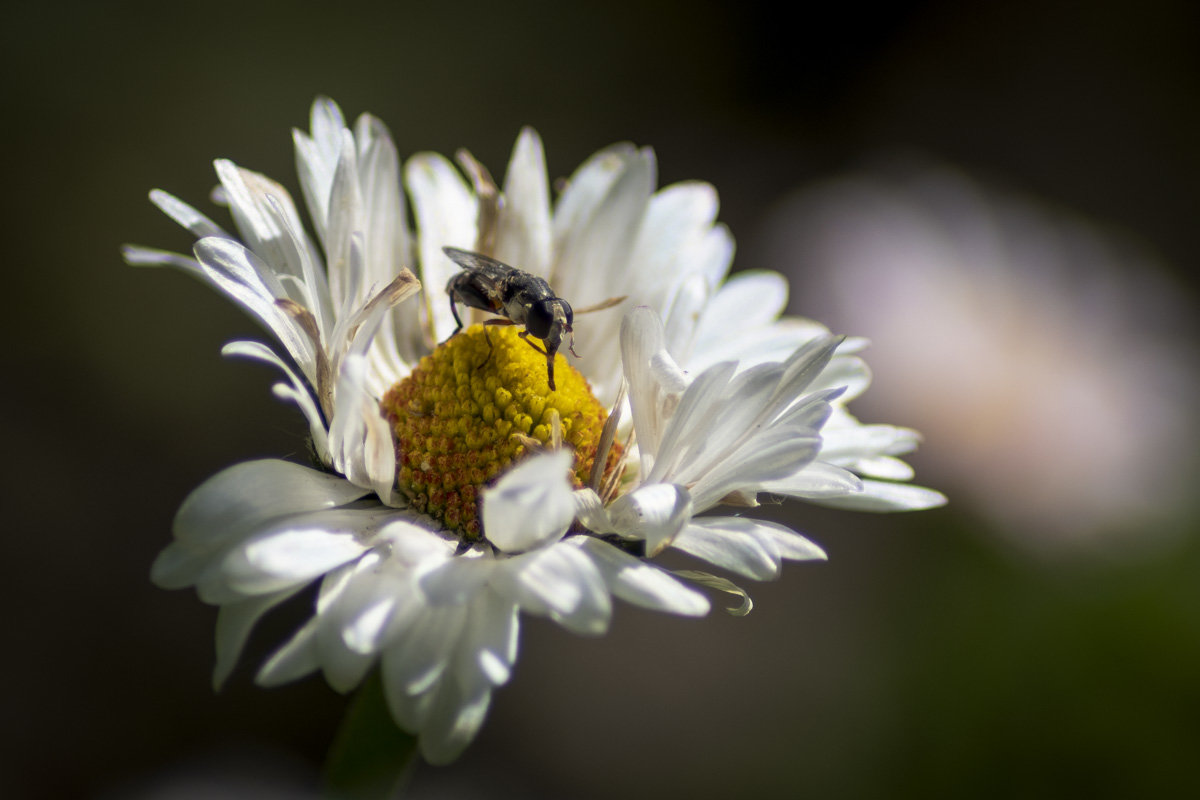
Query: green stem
[[371, 758]]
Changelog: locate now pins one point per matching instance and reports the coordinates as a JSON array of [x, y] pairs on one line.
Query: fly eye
[[570, 314], [539, 319]]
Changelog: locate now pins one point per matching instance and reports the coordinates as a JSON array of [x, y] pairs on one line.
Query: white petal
[[199, 225], [340, 603], [596, 258], [729, 547], [816, 480], [597, 247], [884, 496], [245, 496], [813, 411], [179, 565], [792, 546], [531, 504], [847, 444], [410, 711], [804, 367], [489, 647], [343, 668], [718, 415], [655, 512], [246, 193], [559, 582], [295, 659], [754, 548], [317, 158], [772, 456], [136, 256], [681, 313], [389, 243], [691, 423], [234, 623], [676, 216], [750, 346], [641, 339], [707, 259], [586, 190], [297, 390], [850, 372], [456, 580], [360, 439], [298, 395], [347, 279], [446, 212], [642, 584], [269, 224], [885, 467], [364, 632], [753, 299], [416, 662], [713, 255], [292, 555], [235, 270], [482, 659], [523, 235], [453, 721], [591, 513], [326, 122], [412, 543], [376, 601]]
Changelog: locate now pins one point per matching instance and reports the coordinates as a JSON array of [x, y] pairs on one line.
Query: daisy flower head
[[467, 473]]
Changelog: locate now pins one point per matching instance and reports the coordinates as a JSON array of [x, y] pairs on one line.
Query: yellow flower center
[[469, 410]]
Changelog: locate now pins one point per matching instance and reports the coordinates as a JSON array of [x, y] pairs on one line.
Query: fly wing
[[480, 264]]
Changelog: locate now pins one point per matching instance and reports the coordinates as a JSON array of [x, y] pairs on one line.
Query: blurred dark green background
[[924, 660]]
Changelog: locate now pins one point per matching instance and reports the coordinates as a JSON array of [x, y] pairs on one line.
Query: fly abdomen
[[468, 292]]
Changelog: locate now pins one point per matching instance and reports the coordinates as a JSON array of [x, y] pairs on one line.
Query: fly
[[519, 298]]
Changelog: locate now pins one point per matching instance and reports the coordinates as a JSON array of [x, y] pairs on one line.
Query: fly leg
[[458, 322], [495, 321]]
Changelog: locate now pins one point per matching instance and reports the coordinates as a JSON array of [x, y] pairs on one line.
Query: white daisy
[[457, 489]]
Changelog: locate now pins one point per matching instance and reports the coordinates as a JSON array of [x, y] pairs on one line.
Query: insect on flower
[[519, 298]]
